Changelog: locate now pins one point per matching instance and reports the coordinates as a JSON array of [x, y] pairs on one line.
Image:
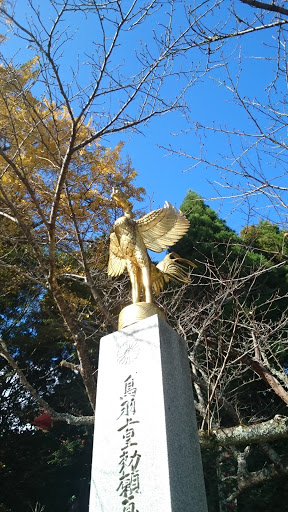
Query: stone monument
[[146, 455]]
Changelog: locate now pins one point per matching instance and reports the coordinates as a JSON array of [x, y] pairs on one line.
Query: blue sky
[[167, 176]]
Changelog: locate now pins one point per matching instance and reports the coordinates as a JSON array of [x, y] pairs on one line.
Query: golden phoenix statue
[[129, 242]]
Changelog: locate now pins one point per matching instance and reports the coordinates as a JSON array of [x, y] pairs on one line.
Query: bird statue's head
[[121, 199]]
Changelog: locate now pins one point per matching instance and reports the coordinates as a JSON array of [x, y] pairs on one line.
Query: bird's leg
[[147, 283], [135, 291], [135, 284]]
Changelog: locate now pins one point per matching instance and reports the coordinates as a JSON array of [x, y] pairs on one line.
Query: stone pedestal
[[146, 455]]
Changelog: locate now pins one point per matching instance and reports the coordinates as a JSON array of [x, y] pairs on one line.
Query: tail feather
[[172, 268]]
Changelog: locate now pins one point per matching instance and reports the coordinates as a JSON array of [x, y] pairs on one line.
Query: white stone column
[[146, 455]]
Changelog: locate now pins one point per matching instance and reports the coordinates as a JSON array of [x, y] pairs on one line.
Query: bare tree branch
[[56, 416], [267, 431], [268, 7]]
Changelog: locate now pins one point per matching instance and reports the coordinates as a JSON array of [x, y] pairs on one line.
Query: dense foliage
[[234, 319]]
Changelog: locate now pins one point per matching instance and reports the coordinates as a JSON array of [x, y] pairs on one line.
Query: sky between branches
[[167, 176]]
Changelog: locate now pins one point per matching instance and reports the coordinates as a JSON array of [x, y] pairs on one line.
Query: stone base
[[137, 312], [146, 454]]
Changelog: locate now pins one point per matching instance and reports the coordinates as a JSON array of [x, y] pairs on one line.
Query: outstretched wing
[[116, 263], [163, 227], [174, 269]]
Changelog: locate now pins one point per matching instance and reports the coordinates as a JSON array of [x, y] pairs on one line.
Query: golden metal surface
[[129, 242], [136, 312]]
